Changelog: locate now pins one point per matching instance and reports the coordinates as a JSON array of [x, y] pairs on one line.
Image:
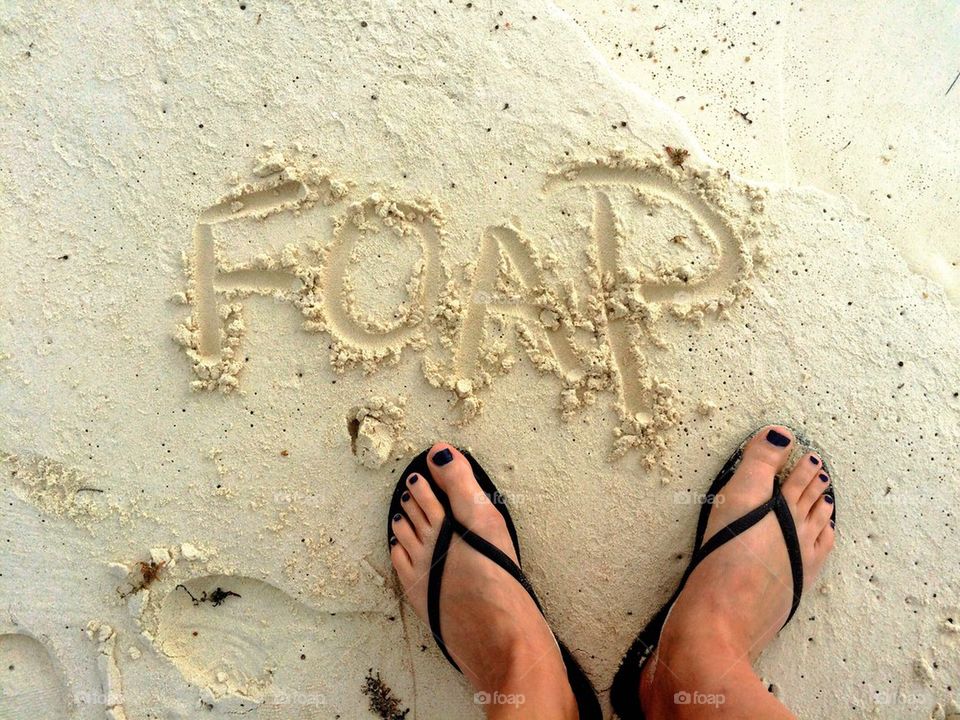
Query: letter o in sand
[[381, 273]]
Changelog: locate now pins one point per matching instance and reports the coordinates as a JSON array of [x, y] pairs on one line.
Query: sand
[[255, 257]]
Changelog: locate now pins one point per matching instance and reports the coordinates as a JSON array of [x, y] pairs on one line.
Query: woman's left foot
[[739, 596]]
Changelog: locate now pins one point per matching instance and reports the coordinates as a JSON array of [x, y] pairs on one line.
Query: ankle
[[531, 683], [690, 669], [709, 620]]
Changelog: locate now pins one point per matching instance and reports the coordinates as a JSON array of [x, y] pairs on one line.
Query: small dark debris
[[946, 93], [363, 23], [216, 598], [382, 702], [744, 116], [677, 156], [149, 571]]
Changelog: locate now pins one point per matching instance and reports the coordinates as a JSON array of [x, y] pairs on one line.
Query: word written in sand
[[595, 340]]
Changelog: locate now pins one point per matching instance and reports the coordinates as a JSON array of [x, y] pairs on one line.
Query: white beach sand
[[254, 257]]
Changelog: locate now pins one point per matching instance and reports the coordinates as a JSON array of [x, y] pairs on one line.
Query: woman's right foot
[[490, 625], [738, 598]]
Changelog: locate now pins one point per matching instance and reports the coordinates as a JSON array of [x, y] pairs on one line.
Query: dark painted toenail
[[815, 461], [442, 457], [396, 518], [828, 498], [824, 477], [775, 438], [405, 497], [412, 479], [393, 541]]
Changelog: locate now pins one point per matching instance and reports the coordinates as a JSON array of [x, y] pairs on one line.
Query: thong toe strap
[[448, 529], [776, 504]]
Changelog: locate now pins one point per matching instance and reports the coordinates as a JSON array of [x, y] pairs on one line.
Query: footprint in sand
[[248, 644], [31, 685]]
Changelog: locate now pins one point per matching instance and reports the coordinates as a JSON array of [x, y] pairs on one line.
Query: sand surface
[[254, 257]]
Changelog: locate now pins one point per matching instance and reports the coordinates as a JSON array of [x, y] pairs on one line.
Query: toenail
[[396, 518], [828, 499], [824, 477], [393, 541], [775, 438], [814, 460], [442, 457], [405, 497], [412, 479], [832, 524]]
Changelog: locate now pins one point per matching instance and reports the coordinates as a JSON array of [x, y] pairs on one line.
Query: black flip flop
[[586, 697], [624, 691]]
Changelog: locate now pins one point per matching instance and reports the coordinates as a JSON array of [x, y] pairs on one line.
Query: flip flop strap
[[778, 504], [725, 534], [789, 530], [448, 528], [435, 579]]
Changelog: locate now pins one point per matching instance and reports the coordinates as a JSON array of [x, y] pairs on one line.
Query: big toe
[[454, 476], [769, 448], [764, 455]]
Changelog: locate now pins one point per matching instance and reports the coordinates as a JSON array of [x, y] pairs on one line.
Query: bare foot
[[490, 625], [738, 598]]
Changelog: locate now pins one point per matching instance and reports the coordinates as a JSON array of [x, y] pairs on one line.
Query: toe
[[452, 472], [416, 516], [819, 517], [406, 536], [806, 469], [763, 457], [771, 446], [812, 493], [427, 501], [826, 538], [400, 559]]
